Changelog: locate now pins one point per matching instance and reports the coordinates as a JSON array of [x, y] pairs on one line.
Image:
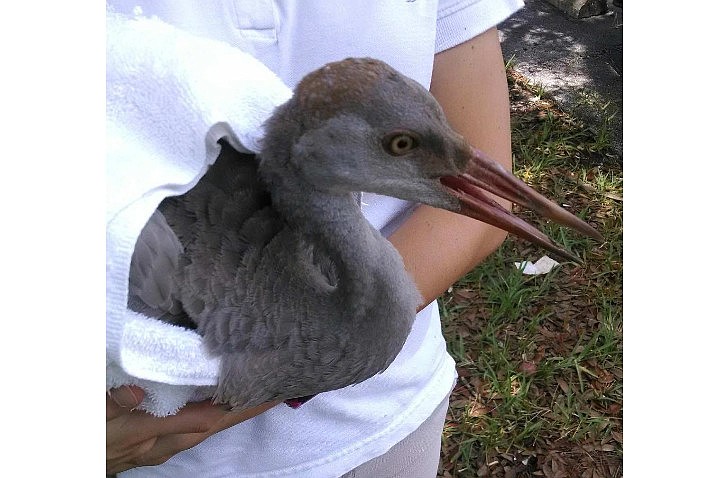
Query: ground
[[539, 358]]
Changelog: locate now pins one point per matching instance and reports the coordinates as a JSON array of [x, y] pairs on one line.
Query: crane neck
[[336, 222], [331, 221]]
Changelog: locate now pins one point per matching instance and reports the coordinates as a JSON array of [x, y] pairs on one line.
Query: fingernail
[[125, 397]]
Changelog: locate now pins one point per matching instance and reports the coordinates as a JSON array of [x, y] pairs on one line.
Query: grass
[[539, 358]]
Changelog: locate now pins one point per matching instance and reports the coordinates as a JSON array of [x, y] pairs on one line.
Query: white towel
[[170, 97]]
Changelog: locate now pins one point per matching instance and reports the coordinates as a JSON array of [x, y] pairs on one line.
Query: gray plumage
[[271, 258]]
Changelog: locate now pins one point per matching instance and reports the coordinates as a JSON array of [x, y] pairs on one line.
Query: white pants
[[416, 456]]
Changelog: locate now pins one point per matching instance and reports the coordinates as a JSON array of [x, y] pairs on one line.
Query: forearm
[[439, 247]]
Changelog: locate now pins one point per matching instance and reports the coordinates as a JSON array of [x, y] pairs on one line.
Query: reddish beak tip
[[484, 175]]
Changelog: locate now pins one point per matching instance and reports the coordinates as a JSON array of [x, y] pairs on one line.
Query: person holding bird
[[391, 423]]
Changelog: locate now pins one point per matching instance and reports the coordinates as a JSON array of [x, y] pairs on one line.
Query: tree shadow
[[576, 61]]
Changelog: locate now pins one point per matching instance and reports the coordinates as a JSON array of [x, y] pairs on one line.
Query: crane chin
[[481, 175]]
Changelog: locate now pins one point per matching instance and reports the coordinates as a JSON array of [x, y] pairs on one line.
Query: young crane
[[270, 258]]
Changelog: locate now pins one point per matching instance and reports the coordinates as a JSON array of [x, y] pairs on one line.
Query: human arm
[[135, 438], [439, 247]]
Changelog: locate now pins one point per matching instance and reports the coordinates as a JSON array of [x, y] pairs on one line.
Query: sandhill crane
[[270, 257]]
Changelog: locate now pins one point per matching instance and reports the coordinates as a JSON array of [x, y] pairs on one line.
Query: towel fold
[[170, 97]]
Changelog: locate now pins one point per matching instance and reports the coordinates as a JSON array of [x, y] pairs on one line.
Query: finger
[[130, 458], [129, 430], [123, 399], [204, 417], [234, 417], [155, 451], [125, 433], [127, 396], [196, 417], [169, 445], [158, 449], [146, 440], [129, 453]]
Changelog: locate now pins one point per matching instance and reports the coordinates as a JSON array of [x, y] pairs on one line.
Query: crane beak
[[484, 174]]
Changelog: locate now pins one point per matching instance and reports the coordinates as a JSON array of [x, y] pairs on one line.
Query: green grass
[[540, 357]]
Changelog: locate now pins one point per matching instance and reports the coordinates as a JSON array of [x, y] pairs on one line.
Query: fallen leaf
[[478, 410], [465, 293], [528, 368]]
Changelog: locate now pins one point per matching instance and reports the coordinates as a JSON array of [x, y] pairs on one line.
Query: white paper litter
[[542, 266]]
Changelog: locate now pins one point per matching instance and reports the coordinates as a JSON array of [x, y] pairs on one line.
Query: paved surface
[[579, 62]]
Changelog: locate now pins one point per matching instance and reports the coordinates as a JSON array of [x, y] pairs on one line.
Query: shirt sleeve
[[462, 20]]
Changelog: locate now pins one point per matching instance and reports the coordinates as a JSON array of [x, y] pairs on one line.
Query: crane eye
[[399, 144]]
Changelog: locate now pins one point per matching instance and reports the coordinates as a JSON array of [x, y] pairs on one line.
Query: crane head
[[360, 125]]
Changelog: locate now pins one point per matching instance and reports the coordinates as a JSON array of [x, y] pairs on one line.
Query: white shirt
[[335, 431]]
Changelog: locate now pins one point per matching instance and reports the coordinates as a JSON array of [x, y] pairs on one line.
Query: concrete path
[[579, 62]]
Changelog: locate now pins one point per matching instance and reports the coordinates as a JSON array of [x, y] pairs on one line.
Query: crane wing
[[152, 284]]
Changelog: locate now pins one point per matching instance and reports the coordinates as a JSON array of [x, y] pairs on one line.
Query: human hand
[[136, 438]]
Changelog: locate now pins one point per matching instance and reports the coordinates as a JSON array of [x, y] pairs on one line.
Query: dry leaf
[[478, 410], [463, 372], [465, 293], [528, 368]]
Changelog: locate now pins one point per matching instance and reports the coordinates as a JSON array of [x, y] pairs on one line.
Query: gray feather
[[152, 286]]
